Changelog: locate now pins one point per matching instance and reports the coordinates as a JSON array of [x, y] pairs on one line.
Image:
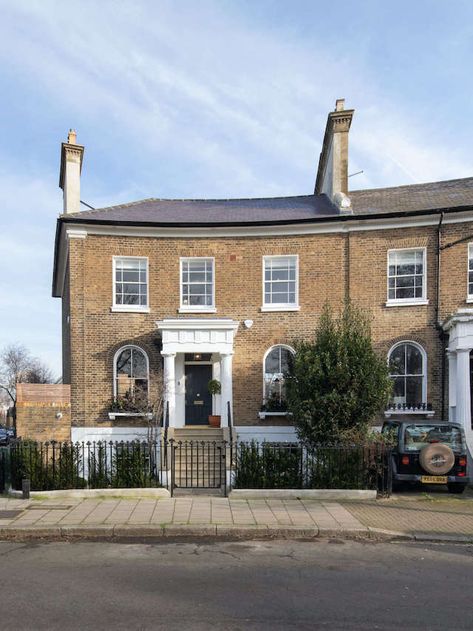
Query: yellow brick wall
[[331, 266]]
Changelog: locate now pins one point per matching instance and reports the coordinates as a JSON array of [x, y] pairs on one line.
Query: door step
[[207, 434]]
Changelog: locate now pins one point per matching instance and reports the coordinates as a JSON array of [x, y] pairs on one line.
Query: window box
[[263, 415], [112, 415], [405, 411]]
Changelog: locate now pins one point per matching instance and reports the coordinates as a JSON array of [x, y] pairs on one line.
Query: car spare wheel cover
[[437, 459]]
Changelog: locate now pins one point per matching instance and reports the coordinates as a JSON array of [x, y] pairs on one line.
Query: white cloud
[[183, 99]]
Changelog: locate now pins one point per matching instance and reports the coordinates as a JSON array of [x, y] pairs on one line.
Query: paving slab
[[423, 518]]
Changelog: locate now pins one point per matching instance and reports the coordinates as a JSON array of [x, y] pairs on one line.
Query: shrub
[[337, 383]]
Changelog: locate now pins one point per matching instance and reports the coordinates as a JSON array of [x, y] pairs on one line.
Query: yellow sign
[[434, 479]]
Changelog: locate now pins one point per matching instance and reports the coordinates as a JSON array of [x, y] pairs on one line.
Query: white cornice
[[318, 227], [76, 233], [193, 324], [80, 231]]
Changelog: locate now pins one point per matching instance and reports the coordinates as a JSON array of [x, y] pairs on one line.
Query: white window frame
[[469, 297], [129, 308], [408, 302], [424, 366], [196, 308], [280, 306], [115, 358]]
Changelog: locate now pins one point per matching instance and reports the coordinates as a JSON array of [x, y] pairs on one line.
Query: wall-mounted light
[[248, 323]]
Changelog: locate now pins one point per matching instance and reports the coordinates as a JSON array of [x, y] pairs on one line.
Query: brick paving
[[429, 514], [416, 514]]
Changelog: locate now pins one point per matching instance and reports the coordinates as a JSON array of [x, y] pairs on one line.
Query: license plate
[[434, 479]]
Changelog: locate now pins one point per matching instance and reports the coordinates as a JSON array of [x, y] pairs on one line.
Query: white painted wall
[[79, 434], [273, 434]]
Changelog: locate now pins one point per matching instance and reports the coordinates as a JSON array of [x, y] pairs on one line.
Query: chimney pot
[[72, 137]]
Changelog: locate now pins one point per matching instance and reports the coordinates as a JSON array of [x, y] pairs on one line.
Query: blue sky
[[212, 99]]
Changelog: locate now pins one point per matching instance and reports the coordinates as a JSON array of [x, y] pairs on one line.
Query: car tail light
[[461, 474], [462, 462], [405, 460]]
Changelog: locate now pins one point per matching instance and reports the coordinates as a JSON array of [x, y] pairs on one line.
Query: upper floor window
[[130, 283], [406, 276], [407, 369], [280, 283], [470, 271], [277, 362], [131, 375], [197, 284]]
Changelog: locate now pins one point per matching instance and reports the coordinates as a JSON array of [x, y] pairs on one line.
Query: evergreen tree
[[337, 383]]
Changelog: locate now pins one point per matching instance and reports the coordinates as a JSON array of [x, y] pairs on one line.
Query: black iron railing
[[293, 466], [196, 465]]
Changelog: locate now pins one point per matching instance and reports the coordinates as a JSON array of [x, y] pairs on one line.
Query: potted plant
[[214, 386]]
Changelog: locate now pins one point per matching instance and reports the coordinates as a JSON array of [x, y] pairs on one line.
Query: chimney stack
[[332, 173], [69, 177]]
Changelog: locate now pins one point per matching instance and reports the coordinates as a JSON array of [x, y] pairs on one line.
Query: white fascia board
[[354, 225]]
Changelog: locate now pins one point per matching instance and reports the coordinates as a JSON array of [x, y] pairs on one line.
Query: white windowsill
[[406, 303], [124, 309], [265, 414], [428, 413], [269, 308], [113, 415], [469, 299], [194, 310]]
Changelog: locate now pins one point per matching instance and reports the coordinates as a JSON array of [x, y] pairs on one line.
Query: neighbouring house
[[43, 411], [161, 296]]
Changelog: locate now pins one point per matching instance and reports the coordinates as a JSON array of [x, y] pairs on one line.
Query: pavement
[[423, 516]]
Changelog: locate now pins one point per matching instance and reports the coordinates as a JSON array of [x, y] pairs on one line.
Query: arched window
[[407, 369], [131, 374], [277, 362]]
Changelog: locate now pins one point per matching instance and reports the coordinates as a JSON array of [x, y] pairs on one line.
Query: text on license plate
[[434, 479]]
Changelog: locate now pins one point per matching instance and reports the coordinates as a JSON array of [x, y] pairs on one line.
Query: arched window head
[[407, 369], [277, 362], [131, 372]]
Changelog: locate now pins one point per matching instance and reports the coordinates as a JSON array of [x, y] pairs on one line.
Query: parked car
[[10, 431], [4, 437], [429, 453]]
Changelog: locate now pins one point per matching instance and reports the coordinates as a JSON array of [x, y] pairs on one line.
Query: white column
[[169, 394], [452, 385], [227, 386], [463, 393]]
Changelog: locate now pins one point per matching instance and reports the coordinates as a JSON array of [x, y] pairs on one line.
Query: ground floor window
[[277, 363], [407, 369], [131, 375]]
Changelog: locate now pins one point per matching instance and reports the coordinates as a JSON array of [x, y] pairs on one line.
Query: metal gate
[[198, 465]]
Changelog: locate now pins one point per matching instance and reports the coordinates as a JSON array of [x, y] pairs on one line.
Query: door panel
[[198, 397]]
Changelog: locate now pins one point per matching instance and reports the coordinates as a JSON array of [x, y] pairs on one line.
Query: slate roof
[[371, 202]]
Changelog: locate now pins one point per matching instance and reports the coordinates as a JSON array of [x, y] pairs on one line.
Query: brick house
[[164, 295]]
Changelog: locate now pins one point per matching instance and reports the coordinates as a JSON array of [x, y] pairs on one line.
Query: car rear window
[[418, 436]]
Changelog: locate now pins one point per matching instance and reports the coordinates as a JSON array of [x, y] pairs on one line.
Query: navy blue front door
[[198, 397]]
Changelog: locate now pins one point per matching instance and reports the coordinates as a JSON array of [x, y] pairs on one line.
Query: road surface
[[236, 585]]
